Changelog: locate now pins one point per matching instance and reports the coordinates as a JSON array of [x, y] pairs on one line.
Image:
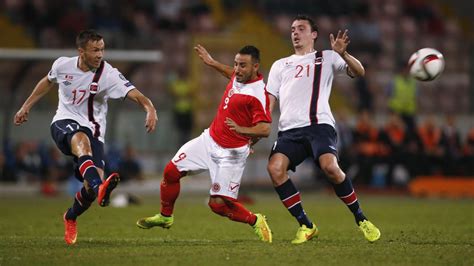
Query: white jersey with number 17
[[302, 84], [75, 91]]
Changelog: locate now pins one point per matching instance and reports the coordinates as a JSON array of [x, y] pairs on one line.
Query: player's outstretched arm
[[151, 116], [225, 70], [261, 130], [339, 45], [41, 89]]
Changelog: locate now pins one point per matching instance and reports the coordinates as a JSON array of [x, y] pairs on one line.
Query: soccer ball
[[426, 64]]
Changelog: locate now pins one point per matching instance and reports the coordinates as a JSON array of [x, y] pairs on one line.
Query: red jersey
[[245, 103]]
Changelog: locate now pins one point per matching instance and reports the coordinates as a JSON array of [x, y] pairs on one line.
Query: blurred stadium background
[[383, 35]]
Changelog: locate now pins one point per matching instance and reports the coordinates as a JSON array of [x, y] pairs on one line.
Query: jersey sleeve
[[117, 85], [338, 64], [53, 73], [274, 79], [260, 110]]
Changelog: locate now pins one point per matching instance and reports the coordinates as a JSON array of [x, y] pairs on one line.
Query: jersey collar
[[259, 77]]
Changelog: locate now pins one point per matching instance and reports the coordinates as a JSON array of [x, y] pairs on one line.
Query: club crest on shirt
[[231, 92], [94, 88], [216, 187], [229, 95]]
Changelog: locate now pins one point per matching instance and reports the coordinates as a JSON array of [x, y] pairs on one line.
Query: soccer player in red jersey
[[243, 114], [302, 85]]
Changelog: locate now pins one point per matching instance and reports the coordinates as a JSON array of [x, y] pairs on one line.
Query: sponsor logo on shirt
[[128, 84], [67, 83], [233, 186], [69, 77]]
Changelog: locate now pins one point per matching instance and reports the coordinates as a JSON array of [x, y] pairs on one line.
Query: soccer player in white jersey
[[302, 85], [223, 148], [85, 82]]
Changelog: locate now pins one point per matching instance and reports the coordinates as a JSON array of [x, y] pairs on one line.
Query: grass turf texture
[[414, 232]]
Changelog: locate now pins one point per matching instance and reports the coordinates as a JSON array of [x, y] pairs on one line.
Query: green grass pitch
[[414, 232]]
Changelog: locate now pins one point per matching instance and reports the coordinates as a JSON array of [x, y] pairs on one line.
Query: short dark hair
[[310, 21], [85, 36], [252, 51]]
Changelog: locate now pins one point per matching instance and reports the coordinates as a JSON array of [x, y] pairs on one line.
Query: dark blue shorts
[[62, 132], [305, 142]]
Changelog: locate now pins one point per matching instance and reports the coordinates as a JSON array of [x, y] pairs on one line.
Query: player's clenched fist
[[20, 117]]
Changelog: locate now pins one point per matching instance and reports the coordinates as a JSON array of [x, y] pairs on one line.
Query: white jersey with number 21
[[302, 84]]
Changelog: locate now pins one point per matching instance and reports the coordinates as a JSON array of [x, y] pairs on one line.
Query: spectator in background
[[394, 138], [113, 158], [431, 149], [183, 105], [28, 162], [365, 91], [451, 144], [7, 163], [345, 141], [129, 166], [467, 161], [365, 31], [402, 97], [6, 172], [426, 14], [56, 169], [368, 147], [59, 168]]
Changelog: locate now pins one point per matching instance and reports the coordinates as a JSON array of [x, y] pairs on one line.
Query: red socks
[[226, 206], [232, 209], [170, 188]]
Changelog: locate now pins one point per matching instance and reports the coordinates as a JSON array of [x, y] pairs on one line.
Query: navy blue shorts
[[62, 132], [301, 143]]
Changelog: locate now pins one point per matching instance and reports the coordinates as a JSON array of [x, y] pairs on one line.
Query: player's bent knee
[[218, 205], [80, 144], [275, 169], [277, 174], [171, 173], [333, 172]]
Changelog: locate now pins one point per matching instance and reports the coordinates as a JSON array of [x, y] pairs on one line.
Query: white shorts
[[225, 165]]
